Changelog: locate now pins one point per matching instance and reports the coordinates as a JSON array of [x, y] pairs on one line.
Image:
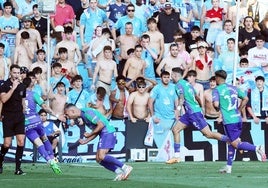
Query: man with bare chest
[[135, 65]]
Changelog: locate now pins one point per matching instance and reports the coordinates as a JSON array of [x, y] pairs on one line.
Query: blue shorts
[[233, 130], [107, 141], [196, 119], [34, 131]]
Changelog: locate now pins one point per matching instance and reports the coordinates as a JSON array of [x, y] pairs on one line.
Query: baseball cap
[[26, 18], [202, 44], [24, 70], [168, 5]]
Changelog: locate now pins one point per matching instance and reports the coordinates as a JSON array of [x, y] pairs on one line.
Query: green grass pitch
[[145, 174]]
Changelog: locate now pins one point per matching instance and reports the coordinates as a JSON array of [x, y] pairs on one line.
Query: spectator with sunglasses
[[137, 104], [138, 27]]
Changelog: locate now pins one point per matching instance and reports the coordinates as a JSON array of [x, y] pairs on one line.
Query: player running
[[225, 99], [193, 114], [101, 127], [33, 125]]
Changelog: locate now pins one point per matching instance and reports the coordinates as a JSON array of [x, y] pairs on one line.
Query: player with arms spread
[[101, 127]]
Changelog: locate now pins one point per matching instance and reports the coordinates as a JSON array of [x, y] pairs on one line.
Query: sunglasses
[[122, 83], [141, 86], [131, 10]]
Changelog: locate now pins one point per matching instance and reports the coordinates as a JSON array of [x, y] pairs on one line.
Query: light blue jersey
[[90, 20], [82, 101], [138, 27], [164, 101]]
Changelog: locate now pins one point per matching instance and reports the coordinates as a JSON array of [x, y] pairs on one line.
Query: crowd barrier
[[130, 144]]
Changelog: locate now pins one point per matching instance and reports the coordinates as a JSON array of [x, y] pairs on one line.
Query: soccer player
[[193, 113], [225, 99], [34, 129], [100, 127]]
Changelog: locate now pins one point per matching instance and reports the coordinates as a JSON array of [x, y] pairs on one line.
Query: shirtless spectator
[[24, 51], [132, 84], [106, 69], [210, 112], [95, 47], [171, 61], [68, 67], [41, 55], [119, 98], [199, 89], [156, 38], [135, 65], [125, 42], [74, 54], [137, 104], [34, 36], [100, 101], [57, 101], [203, 65]]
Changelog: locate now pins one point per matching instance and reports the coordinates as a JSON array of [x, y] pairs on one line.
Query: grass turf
[[144, 174]]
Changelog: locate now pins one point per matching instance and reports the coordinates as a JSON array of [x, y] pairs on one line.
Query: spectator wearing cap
[[35, 38], [38, 21], [4, 64], [258, 56], [63, 12], [168, 23], [203, 65], [25, 8], [257, 106], [9, 26], [23, 72]]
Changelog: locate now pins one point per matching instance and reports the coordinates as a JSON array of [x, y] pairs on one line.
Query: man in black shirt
[[12, 95]]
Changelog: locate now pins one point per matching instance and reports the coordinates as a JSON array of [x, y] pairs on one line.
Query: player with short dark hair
[[225, 99], [101, 127]]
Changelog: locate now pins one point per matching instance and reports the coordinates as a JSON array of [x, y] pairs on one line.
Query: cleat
[[19, 172], [225, 170], [173, 160], [119, 177], [127, 172], [261, 152], [55, 167]]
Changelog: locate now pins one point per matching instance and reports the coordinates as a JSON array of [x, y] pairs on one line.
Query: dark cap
[[24, 70], [26, 18]]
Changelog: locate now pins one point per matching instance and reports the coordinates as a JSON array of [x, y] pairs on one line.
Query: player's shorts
[[107, 141], [233, 130], [13, 124], [34, 131], [196, 119]]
